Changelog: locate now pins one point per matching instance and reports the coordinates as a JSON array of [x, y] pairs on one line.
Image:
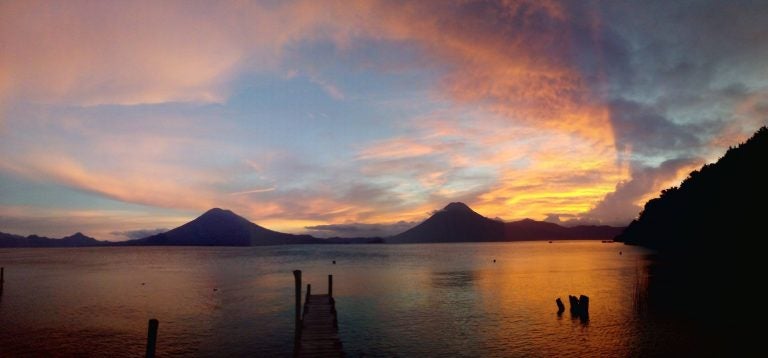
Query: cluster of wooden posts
[[579, 307]]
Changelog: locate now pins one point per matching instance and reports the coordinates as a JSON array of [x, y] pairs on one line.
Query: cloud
[[332, 90], [623, 205], [128, 53], [394, 148], [139, 233], [647, 132], [253, 191], [360, 229]]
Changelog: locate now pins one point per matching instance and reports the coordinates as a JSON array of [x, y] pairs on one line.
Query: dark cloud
[[676, 76], [138, 234], [647, 131], [662, 66], [360, 230]]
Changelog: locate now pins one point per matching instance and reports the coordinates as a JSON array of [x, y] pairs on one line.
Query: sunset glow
[[118, 118]]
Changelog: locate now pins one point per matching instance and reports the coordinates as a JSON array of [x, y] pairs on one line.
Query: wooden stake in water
[[297, 332], [152, 337], [330, 285]]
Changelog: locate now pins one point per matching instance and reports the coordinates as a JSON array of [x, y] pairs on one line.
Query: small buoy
[[215, 289], [494, 260], [142, 283], [620, 253], [334, 262]]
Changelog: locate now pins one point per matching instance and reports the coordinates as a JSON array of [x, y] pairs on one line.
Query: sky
[[120, 119]]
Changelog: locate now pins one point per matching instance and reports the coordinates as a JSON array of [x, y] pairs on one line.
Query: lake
[[392, 300]]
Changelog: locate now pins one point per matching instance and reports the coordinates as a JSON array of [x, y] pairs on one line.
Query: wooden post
[[574, 302], [330, 285], [306, 306], [297, 332], [2, 275], [584, 306], [152, 338], [560, 306]]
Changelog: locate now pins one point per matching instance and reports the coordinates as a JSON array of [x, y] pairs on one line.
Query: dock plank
[[320, 333]]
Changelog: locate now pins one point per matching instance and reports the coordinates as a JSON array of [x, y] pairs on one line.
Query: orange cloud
[[396, 148]]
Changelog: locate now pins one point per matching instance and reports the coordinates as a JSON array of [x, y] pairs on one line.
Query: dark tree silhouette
[[706, 234], [716, 209]]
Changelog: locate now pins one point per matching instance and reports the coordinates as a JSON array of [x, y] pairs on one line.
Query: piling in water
[[584, 307], [574, 303], [152, 337], [306, 307], [297, 322], [560, 306], [330, 285], [579, 307]]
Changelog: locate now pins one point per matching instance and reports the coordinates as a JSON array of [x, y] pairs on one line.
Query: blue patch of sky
[[381, 85]]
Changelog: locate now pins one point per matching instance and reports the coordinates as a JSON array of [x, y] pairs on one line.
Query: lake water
[[392, 300]]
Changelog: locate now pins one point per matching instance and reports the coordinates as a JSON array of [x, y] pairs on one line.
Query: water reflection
[[458, 279], [393, 300]]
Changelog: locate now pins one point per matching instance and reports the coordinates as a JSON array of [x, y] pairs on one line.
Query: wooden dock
[[317, 330]]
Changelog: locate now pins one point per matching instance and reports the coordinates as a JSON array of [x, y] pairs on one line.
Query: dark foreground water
[[393, 300]]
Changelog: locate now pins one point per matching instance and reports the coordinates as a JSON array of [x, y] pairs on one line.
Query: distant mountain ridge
[[457, 222], [76, 240], [713, 206]]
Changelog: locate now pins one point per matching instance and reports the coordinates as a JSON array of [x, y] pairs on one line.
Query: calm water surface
[[393, 300]]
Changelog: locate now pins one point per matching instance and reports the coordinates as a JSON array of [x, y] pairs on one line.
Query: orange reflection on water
[[520, 292], [392, 300]]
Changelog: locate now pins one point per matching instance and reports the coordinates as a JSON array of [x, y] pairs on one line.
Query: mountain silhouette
[[219, 227], [75, 240], [529, 229], [454, 223], [714, 206], [457, 222]]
